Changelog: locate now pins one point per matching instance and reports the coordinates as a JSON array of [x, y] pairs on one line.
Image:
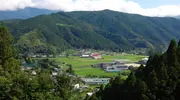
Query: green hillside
[[35, 41], [133, 28], [107, 30]]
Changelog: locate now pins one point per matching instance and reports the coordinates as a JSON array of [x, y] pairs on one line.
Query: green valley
[[82, 66]]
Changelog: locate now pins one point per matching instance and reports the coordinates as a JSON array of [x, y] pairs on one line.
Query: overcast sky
[[143, 7]]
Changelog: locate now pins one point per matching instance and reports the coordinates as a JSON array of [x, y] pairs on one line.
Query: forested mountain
[[24, 13], [97, 29], [158, 80]]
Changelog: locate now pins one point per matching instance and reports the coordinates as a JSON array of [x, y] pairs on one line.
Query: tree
[[179, 43], [5, 88], [142, 89], [64, 87], [171, 53], [178, 51], [158, 80], [67, 54], [140, 72], [70, 69], [45, 82], [152, 84], [44, 63], [131, 80], [7, 51]]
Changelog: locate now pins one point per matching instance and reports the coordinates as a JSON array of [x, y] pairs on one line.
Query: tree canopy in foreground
[[158, 80], [20, 85]]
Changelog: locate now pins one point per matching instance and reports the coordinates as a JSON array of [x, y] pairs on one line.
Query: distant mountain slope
[[24, 13], [178, 17], [132, 27], [34, 41], [61, 32], [99, 30]]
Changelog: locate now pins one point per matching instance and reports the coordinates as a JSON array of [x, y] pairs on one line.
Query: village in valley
[[89, 50], [92, 68]]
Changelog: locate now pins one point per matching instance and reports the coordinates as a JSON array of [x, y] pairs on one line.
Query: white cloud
[[169, 10], [92, 5], [14, 4]]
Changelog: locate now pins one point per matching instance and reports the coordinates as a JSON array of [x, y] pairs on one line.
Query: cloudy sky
[[143, 7]]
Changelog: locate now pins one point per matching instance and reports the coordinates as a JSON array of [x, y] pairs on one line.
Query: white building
[[34, 73], [76, 86], [90, 94], [85, 56], [96, 80], [44, 56], [54, 74]]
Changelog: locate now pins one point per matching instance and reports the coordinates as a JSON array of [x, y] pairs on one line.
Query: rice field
[[82, 66]]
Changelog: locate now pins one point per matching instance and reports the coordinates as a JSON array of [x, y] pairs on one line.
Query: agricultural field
[[82, 66]]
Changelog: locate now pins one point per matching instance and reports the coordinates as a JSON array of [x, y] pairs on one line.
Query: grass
[[82, 66]]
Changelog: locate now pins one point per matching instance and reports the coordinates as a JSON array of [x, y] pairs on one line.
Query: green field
[[82, 66]]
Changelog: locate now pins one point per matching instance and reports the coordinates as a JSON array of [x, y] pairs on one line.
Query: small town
[[89, 50], [115, 66]]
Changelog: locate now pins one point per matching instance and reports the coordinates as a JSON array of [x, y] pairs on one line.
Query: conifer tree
[[171, 53], [178, 51], [179, 43], [152, 84], [140, 72], [172, 63], [158, 80], [131, 80], [142, 89]]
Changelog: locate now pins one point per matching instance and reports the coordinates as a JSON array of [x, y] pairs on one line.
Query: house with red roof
[[96, 56]]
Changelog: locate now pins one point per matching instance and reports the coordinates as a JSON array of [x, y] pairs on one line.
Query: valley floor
[[82, 66]]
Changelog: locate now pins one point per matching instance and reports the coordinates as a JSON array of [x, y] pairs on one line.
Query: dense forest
[[102, 30], [158, 80]]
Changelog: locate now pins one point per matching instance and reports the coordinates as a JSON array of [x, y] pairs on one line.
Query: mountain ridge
[[25, 13], [107, 30]]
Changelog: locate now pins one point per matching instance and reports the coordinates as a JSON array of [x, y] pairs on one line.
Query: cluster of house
[[91, 55], [37, 55], [91, 81], [115, 66], [32, 69], [54, 71]]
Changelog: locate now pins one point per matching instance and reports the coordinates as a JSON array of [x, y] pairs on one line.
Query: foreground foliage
[[19, 85], [158, 80]]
